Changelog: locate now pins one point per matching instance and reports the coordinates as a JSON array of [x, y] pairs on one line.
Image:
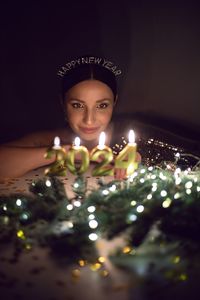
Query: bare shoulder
[[42, 138]]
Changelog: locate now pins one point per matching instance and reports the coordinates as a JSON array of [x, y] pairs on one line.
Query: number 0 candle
[[104, 156], [58, 167], [80, 153], [126, 159]]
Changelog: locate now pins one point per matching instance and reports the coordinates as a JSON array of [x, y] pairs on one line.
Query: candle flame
[[56, 141], [131, 137], [102, 139], [77, 141]]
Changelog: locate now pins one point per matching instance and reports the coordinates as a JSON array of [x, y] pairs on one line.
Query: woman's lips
[[89, 130]]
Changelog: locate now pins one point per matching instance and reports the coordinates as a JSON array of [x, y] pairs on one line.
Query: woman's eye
[[77, 105], [102, 105]]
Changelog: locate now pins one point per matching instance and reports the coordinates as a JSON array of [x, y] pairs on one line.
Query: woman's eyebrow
[[82, 101]]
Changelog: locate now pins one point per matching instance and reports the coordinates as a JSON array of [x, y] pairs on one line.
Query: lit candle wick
[[102, 139], [131, 137], [56, 143], [77, 142]]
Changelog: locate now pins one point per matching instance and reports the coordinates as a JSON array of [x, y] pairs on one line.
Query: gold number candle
[[126, 159], [58, 167], [104, 156], [77, 152]]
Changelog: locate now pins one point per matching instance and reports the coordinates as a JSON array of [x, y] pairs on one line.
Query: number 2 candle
[[58, 167], [80, 153], [103, 156]]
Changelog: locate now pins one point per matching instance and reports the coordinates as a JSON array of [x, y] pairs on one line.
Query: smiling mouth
[[89, 130]]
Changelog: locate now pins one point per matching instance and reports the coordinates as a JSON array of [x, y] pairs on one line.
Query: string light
[[163, 193], [113, 188], [69, 206], [188, 185], [91, 209], [93, 224], [105, 192], [48, 183], [93, 236], [140, 208], [167, 203], [77, 203], [91, 217]]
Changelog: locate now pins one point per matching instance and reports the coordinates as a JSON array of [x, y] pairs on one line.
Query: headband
[[89, 67], [85, 60]]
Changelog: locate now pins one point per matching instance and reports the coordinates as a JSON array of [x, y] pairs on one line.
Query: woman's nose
[[89, 116]]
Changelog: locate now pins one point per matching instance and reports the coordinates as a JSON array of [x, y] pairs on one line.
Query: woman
[[89, 94]]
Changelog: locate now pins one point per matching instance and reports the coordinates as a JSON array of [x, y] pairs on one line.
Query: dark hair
[[86, 72]]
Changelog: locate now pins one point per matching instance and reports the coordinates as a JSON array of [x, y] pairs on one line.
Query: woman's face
[[89, 106]]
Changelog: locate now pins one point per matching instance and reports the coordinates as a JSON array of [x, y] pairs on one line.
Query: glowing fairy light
[[154, 186], [142, 171], [91, 209], [140, 208], [76, 185], [177, 196], [163, 193], [91, 217], [70, 207], [101, 259], [105, 192], [93, 224], [113, 188], [132, 218], [77, 203], [167, 203], [188, 191], [48, 183], [162, 176], [149, 197], [20, 234], [5, 208], [150, 168], [93, 236], [188, 185], [133, 203], [19, 202], [177, 172], [178, 181]]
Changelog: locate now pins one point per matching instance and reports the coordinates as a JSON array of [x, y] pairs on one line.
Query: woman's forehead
[[89, 88]]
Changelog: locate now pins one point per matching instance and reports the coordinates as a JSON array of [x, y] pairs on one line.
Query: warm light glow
[[57, 141], [131, 137], [102, 139], [77, 141]]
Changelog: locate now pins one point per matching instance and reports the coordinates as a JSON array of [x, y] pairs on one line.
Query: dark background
[[156, 44]]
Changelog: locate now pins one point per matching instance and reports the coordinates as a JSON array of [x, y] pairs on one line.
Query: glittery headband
[[85, 60]]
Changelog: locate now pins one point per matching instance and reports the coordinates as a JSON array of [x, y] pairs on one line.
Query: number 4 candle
[[126, 159]]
